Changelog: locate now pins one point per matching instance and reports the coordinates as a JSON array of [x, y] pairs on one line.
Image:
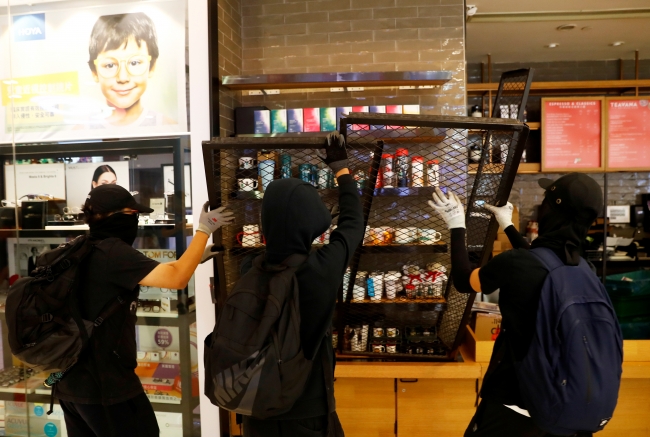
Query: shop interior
[[479, 97]]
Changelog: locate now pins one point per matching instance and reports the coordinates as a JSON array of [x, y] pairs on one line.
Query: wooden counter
[[439, 399]]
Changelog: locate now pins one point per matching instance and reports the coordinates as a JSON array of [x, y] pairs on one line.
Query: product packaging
[[311, 119], [341, 112], [487, 326], [328, 119], [360, 126], [263, 122], [294, 120], [394, 109], [278, 121]]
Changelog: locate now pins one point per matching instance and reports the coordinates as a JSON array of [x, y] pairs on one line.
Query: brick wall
[[230, 60], [356, 35]]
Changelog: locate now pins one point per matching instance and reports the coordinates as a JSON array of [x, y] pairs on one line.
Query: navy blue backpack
[[570, 377]]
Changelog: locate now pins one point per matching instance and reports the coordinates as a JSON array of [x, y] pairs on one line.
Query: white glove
[[210, 221], [450, 208], [503, 214], [209, 252]]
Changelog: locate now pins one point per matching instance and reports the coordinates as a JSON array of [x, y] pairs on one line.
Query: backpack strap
[[548, 258], [112, 307]]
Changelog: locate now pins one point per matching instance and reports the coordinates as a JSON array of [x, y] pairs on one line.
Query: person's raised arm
[[464, 277], [177, 274], [503, 214]]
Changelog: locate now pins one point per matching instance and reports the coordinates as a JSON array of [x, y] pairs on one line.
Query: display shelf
[[330, 80], [387, 136], [399, 300], [388, 192], [439, 247], [524, 168], [569, 87], [169, 319], [385, 355]]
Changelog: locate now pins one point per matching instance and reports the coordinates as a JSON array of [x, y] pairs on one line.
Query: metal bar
[[606, 183], [213, 65]]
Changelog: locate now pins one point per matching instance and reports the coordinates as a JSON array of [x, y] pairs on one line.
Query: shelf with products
[[388, 192], [569, 87], [336, 80], [438, 247], [148, 166], [402, 208], [524, 168]]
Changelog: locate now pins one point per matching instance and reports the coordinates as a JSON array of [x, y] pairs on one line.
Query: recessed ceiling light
[[566, 27], [617, 43], [587, 28], [552, 45]]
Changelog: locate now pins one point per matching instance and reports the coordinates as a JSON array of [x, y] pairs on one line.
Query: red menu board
[[628, 134], [572, 135]]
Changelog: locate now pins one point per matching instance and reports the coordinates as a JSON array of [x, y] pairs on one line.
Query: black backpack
[[254, 363], [46, 331]]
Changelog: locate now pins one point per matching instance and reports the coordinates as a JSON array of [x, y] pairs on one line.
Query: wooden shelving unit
[[570, 87], [524, 168], [336, 80]]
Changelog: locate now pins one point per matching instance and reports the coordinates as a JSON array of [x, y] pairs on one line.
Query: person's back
[[570, 206], [293, 215]]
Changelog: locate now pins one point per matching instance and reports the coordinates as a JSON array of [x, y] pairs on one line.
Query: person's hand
[[336, 156], [210, 221], [450, 208], [503, 214], [211, 250]]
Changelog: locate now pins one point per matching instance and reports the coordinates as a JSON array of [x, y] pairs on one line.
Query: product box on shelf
[[394, 109], [341, 112], [411, 109], [360, 126], [263, 122], [31, 420], [486, 326], [278, 121], [295, 120], [328, 119], [377, 109], [311, 119], [245, 119]]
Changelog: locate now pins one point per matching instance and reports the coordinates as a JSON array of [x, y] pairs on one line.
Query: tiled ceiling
[[520, 31]]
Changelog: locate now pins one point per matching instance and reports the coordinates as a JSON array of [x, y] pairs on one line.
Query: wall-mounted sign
[[628, 133], [95, 72], [572, 134]]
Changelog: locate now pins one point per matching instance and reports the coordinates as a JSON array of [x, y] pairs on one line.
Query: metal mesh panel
[[512, 94], [396, 298]]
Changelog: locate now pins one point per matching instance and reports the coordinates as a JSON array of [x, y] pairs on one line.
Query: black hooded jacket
[[293, 215]]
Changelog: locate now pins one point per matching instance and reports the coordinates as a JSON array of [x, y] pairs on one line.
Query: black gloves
[[336, 155]]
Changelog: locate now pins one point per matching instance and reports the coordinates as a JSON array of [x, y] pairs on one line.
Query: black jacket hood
[[293, 215]]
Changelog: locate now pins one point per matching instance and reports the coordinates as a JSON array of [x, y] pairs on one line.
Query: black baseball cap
[[111, 198], [575, 193]]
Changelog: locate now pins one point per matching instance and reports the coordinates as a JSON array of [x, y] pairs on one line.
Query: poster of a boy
[[123, 53]]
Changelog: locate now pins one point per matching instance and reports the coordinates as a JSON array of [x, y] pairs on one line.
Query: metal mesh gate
[[396, 300]]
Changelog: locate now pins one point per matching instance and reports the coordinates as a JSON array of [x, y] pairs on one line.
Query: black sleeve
[[461, 268], [327, 266], [336, 255], [517, 241], [498, 271], [128, 266]]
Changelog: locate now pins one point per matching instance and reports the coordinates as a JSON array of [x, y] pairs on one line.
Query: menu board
[[572, 137], [628, 134]]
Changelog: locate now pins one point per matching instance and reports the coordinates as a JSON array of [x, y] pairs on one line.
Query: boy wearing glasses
[[123, 53]]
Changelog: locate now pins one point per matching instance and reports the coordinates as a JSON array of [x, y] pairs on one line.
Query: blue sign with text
[[30, 27]]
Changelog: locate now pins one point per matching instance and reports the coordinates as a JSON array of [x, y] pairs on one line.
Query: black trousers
[[133, 418], [311, 427], [493, 419]]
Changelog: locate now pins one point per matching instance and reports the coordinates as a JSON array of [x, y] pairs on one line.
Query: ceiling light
[[552, 45], [617, 43], [566, 27]]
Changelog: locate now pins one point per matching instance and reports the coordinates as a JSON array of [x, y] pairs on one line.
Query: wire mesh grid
[[396, 298], [512, 94]]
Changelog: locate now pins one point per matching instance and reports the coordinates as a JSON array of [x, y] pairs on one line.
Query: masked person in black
[[101, 395], [570, 206], [293, 215]]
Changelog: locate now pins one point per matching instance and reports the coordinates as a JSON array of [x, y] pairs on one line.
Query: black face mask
[[122, 226]]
